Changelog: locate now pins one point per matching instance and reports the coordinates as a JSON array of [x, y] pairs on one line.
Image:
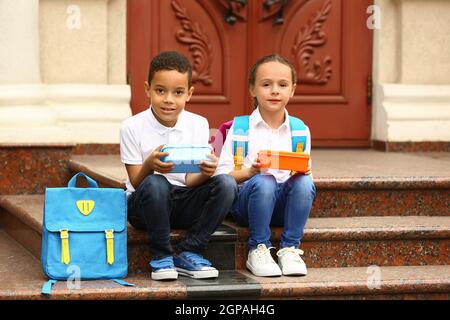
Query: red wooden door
[[331, 46], [327, 40]]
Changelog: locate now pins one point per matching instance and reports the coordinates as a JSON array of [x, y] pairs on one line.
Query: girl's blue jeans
[[262, 202]]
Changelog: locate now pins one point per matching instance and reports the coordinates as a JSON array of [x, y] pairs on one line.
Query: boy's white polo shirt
[[261, 137], [143, 133]]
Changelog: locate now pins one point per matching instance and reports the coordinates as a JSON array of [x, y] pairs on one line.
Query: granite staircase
[[379, 229]]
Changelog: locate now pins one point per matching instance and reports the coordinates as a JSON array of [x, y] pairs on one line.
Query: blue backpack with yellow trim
[[84, 233], [240, 137]]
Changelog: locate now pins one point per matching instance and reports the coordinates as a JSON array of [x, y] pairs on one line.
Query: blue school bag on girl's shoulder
[[84, 229], [240, 137]]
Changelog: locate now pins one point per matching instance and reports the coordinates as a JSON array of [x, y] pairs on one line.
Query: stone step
[[365, 241], [21, 278], [349, 182], [328, 242], [21, 217]]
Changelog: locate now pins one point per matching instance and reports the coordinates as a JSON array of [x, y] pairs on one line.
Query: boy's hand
[[208, 168], [154, 163]]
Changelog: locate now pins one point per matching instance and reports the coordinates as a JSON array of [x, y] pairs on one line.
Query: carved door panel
[[216, 49], [330, 45], [327, 40]]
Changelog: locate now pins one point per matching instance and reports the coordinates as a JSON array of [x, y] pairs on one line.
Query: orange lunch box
[[284, 160]]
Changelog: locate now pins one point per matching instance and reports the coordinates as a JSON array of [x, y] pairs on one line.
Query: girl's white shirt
[[261, 137]]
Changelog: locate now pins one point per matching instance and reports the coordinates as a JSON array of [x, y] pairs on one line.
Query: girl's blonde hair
[[269, 58]]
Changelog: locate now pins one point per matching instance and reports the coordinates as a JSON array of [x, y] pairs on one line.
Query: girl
[[270, 197]]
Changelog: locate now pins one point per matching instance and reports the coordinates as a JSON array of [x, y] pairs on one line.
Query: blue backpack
[[84, 230], [240, 138]]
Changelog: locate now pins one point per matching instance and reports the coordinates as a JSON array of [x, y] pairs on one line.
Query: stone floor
[[21, 278]]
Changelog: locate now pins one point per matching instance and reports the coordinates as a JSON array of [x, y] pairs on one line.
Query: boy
[[159, 200]]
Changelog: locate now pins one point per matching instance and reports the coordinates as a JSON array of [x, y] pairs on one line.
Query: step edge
[[352, 234], [19, 213], [321, 183], [310, 234], [315, 288], [343, 288], [382, 183], [363, 233], [106, 180]]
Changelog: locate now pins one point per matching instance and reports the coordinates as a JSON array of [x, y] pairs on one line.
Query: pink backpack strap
[[218, 139]]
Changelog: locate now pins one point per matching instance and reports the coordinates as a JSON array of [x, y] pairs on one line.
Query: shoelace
[[196, 259], [262, 252], [292, 251]]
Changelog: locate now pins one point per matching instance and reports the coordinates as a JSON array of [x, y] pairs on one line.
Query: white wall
[[63, 71], [411, 70]]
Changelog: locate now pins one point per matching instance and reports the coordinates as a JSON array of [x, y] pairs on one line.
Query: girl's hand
[[208, 168], [308, 172], [255, 168], [154, 163], [245, 173]]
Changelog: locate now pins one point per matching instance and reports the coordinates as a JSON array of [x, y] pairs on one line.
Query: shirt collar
[[161, 129], [256, 119]]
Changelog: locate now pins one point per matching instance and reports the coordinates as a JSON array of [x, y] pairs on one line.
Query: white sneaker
[[290, 261], [165, 274], [163, 269], [261, 263]]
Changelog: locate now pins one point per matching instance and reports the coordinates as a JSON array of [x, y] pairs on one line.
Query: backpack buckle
[[109, 233], [64, 233]]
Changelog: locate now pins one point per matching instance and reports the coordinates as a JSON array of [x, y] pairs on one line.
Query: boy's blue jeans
[[262, 202], [157, 206]]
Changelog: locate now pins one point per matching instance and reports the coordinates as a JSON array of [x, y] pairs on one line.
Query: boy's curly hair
[[170, 60]]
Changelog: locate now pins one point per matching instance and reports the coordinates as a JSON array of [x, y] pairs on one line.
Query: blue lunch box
[[186, 157]]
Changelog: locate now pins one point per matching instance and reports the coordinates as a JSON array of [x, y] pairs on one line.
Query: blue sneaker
[[163, 269], [193, 265]]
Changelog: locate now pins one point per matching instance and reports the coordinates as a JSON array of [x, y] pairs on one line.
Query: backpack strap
[[123, 283], [73, 181], [240, 140], [298, 134], [47, 287]]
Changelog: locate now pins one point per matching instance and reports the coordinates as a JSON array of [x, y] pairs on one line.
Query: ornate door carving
[[330, 45]]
